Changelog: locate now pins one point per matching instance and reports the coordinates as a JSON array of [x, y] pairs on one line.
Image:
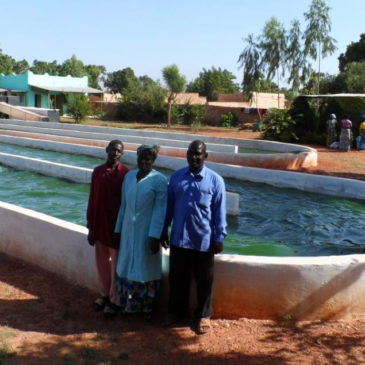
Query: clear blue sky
[[147, 35]]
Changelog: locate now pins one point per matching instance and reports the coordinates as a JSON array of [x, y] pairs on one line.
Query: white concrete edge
[[118, 135], [81, 174], [243, 143]]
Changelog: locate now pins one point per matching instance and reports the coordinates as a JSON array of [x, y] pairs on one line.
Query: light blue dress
[[141, 215]]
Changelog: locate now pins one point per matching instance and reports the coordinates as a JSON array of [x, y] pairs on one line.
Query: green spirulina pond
[[271, 221]]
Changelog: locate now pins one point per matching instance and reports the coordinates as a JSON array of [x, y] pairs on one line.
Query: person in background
[[331, 130], [346, 134], [102, 211], [140, 223], [197, 210], [360, 140]]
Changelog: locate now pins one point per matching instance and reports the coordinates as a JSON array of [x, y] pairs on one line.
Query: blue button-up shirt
[[197, 207]]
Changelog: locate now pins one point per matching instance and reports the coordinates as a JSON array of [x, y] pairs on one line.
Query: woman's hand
[[164, 240], [154, 245], [90, 238]]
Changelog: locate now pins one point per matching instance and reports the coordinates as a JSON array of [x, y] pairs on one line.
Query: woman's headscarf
[[153, 149]]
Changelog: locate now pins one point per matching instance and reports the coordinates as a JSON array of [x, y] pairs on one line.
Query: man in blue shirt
[[197, 208]]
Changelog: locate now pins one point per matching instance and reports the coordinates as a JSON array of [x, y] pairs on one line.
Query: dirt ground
[[46, 320]]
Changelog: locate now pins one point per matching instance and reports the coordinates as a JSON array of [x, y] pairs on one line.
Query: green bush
[[78, 106], [229, 120], [144, 103], [187, 114], [278, 125]]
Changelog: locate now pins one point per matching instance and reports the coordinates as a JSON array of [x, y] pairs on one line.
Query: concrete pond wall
[[290, 288], [221, 150]]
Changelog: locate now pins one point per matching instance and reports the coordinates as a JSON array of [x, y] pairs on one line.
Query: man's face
[[196, 157], [114, 152]]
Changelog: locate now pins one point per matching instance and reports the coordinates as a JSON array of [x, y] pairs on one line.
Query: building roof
[[68, 89], [334, 96], [189, 98], [259, 100]]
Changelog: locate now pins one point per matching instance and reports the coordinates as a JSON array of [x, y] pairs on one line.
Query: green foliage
[[142, 100], [250, 61], [281, 52], [42, 67], [278, 125], [212, 82], [94, 73], [175, 84], [119, 81], [273, 47], [78, 106], [20, 67], [174, 81], [296, 62], [317, 39], [229, 120], [73, 67], [354, 77], [6, 64], [188, 114], [355, 52], [318, 42], [6, 351]]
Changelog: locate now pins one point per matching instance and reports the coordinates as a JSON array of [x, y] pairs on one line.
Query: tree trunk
[[169, 114]]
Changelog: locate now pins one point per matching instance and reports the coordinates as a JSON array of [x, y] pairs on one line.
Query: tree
[[6, 63], [175, 84], [318, 42], [94, 73], [212, 82], [273, 47], [121, 80], [329, 84], [78, 106], [73, 67], [355, 52], [42, 67], [20, 67], [354, 77], [143, 101], [296, 62], [250, 61]]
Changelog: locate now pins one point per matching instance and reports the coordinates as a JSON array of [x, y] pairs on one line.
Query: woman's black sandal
[[100, 303]]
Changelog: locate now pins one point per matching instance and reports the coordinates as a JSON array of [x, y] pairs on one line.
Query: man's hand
[[217, 247], [90, 238], [116, 239], [154, 245], [164, 240]]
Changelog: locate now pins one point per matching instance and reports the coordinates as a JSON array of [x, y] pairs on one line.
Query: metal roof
[[68, 89], [334, 96]]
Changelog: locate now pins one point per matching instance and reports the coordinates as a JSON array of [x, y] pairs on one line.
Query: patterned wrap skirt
[[136, 297], [345, 139]]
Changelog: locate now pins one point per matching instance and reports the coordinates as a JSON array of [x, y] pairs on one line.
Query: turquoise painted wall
[[15, 82], [23, 82]]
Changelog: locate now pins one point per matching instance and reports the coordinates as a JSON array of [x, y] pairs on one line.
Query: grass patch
[[6, 351]]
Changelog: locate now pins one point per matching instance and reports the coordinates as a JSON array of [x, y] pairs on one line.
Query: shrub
[[78, 106], [278, 125], [229, 120]]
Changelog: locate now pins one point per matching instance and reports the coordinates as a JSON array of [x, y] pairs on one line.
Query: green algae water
[[271, 222]]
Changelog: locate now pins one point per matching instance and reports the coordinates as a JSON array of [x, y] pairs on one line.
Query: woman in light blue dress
[[140, 222]]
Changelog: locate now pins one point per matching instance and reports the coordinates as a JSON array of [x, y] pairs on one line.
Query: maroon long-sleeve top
[[104, 202]]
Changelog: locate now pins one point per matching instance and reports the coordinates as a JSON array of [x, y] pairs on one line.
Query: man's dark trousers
[[184, 263]]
